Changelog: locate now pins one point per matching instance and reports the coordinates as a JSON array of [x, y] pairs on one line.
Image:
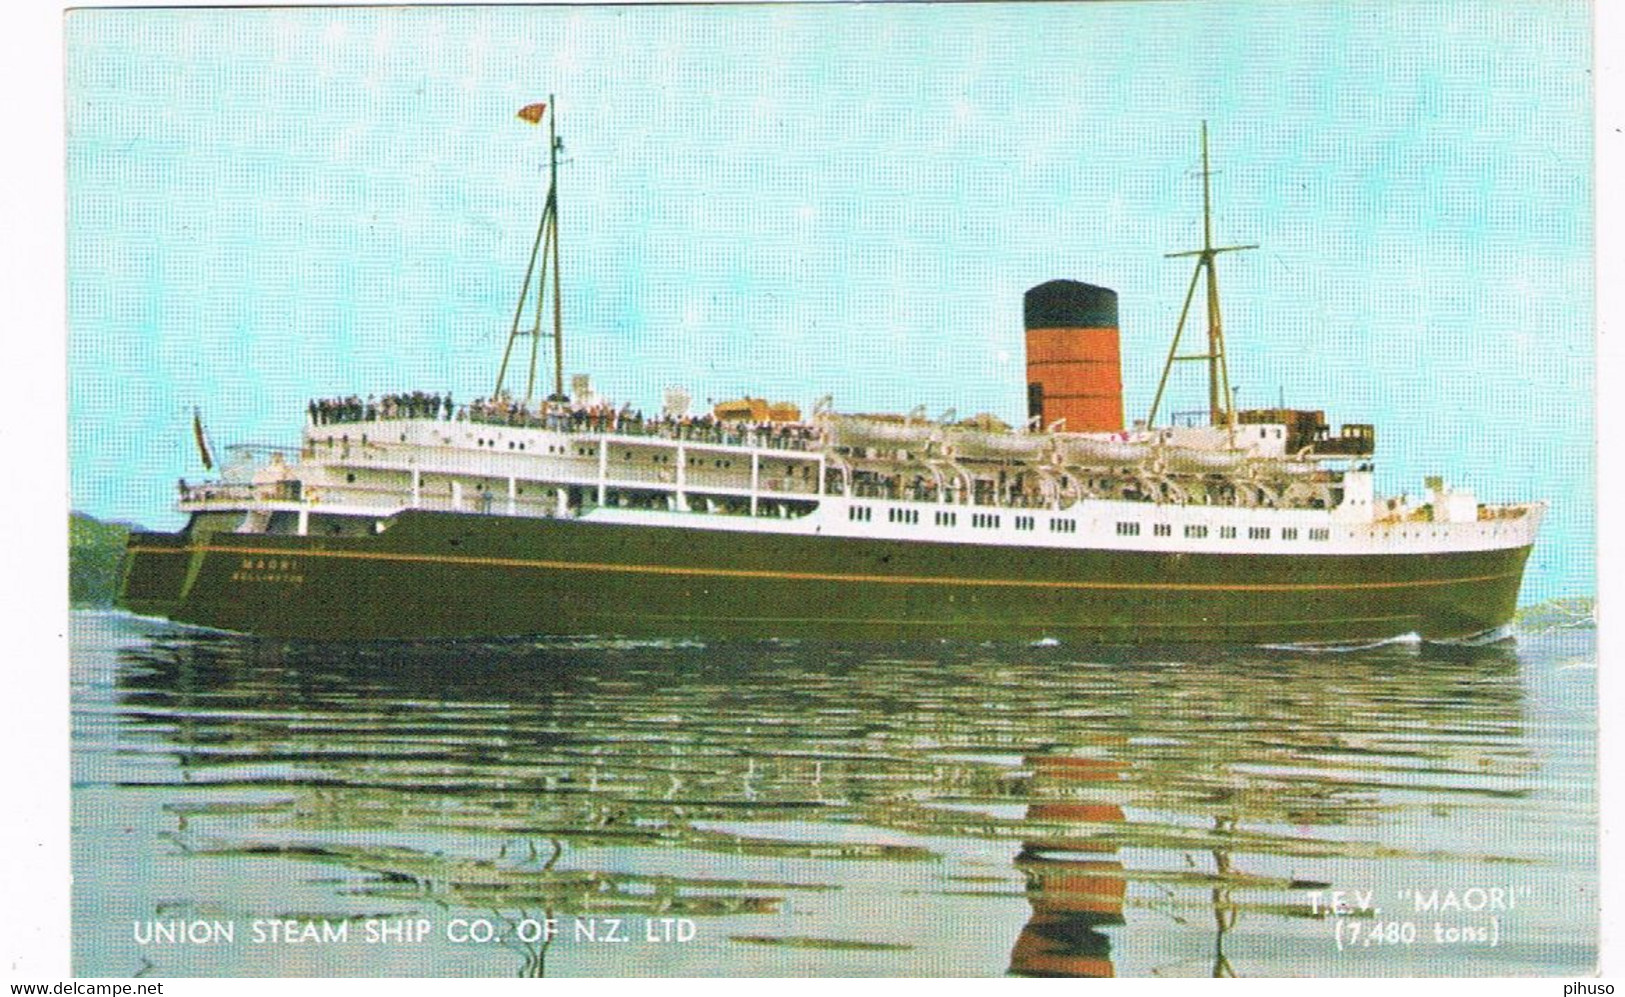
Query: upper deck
[[352, 474]]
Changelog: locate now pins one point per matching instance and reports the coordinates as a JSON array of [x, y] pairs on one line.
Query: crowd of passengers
[[407, 405], [604, 418], [564, 417]]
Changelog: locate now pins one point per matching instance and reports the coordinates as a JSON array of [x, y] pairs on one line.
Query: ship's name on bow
[[272, 570]]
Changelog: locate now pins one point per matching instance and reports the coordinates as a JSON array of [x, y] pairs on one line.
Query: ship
[[518, 514]]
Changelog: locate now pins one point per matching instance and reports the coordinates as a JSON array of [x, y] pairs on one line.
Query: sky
[[270, 205]]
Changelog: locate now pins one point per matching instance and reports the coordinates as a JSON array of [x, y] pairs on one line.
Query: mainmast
[[545, 250], [1221, 407]]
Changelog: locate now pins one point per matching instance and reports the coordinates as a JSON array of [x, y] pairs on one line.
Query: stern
[[155, 573]]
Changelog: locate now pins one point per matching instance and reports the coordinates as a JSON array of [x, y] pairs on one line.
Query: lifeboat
[[1200, 460], [977, 443], [863, 431], [1096, 450], [1278, 469]]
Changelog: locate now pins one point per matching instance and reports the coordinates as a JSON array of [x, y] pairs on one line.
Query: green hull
[[451, 575]]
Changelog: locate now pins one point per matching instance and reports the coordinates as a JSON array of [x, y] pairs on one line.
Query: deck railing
[[705, 429]]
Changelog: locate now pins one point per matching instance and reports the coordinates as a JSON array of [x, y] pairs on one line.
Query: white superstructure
[[1165, 490]]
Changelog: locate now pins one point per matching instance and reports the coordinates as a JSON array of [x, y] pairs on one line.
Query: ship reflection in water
[[764, 809]]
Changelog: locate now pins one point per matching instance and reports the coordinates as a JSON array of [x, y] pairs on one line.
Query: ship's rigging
[[1221, 403], [544, 263]]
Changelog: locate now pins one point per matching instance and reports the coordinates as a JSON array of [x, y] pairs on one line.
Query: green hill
[[94, 551]]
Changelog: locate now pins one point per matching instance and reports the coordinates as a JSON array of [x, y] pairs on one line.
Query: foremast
[[544, 261]]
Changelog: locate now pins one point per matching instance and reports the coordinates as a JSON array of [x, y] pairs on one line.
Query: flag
[[533, 112], [202, 446]]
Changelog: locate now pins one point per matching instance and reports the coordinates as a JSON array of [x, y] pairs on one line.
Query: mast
[[1220, 402], [544, 252], [558, 293]]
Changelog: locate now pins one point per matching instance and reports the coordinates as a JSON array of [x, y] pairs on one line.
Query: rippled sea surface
[[595, 807]]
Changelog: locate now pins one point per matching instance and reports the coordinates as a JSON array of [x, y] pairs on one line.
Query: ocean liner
[[407, 516]]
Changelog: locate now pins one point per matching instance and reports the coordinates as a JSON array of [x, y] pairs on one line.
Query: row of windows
[[1196, 532], [482, 442], [987, 520], [658, 458]]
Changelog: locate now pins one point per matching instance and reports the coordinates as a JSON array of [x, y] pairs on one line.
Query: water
[[767, 809]]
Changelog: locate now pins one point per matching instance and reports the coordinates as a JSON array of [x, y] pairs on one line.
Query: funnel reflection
[[1073, 897]]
